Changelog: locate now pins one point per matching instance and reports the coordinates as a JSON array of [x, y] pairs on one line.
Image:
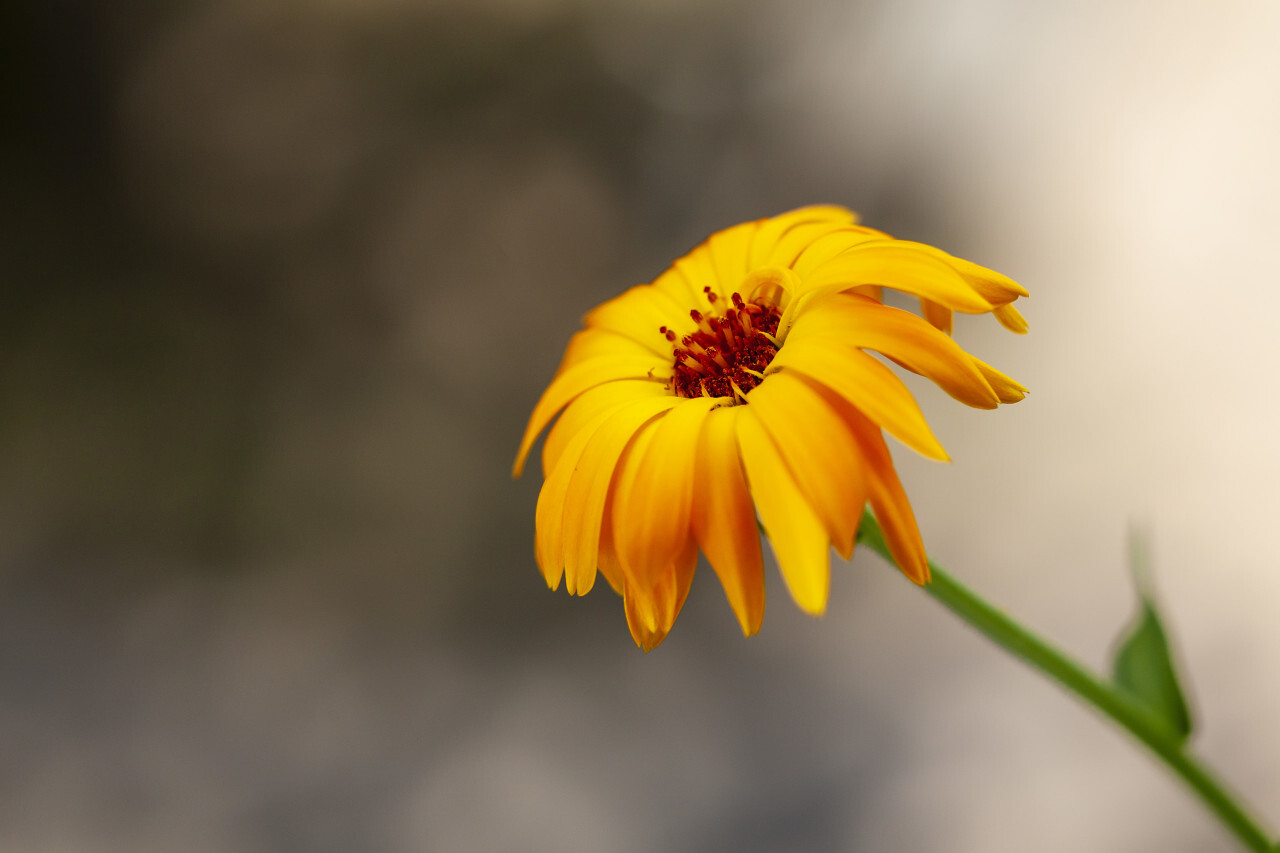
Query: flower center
[[728, 353]]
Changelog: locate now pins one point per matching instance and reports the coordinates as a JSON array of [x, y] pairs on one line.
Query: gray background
[[282, 281]]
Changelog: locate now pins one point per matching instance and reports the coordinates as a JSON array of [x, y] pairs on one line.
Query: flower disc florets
[[728, 353]]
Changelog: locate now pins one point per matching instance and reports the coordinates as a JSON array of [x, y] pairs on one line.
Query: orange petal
[[820, 453], [609, 566], [889, 501], [654, 491], [724, 519], [652, 612], [588, 486], [796, 533]]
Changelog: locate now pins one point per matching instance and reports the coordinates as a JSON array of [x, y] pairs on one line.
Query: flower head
[[740, 384]]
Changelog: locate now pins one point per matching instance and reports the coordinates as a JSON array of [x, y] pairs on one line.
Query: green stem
[[1105, 697]]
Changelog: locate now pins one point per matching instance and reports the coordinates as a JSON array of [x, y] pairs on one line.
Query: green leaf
[[1143, 666]]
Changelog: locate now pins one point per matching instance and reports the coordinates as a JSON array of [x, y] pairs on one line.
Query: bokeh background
[[282, 280]]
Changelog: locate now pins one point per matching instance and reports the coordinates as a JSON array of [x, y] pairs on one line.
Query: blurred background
[[282, 281]]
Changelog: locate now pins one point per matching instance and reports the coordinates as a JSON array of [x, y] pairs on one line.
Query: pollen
[[727, 354]]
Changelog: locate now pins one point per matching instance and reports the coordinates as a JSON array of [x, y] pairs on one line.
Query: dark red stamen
[[727, 354]]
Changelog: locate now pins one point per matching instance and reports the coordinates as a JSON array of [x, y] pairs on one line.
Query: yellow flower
[[741, 382]]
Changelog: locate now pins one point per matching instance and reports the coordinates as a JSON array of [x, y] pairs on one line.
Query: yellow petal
[[995, 288], [771, 285], [654, 492], [796, 533], [624, 477], [765, 247], [1006, 389], [652, 612], [892, 263], [865, 383], [1011, 319], [889, 500], [586, 406], [807, 295], [858, 322], [724, 519], [835, 243], [674, 285], [609, 566], [730, 249], [698, 272], [834, 212], [580, 377], [797, 239], [639, 313], [819, 451], [642, 618], [589, 486], [549, 516], [594, 343], [938, 316]]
